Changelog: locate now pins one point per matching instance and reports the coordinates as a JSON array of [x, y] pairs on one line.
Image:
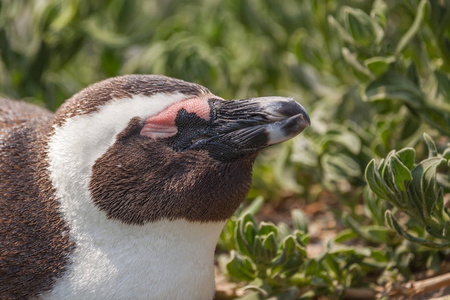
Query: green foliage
[[382, 82], [272, 254], [272, 259], [265, 255], [414, 189]]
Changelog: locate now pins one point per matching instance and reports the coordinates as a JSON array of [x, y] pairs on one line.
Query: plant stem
[[411, 289], [426, 285]]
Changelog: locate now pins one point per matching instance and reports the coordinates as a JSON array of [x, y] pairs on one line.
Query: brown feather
[[33, 250]]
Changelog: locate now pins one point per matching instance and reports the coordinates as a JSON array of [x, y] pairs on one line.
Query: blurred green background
[[373, 75]]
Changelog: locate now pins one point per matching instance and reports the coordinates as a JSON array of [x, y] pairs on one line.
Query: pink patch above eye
[[163, 125]]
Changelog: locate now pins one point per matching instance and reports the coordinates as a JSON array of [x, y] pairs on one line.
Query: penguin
[[123, 192]]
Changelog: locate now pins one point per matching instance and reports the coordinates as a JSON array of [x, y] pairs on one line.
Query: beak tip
[[302, 112], [287, 129], [306, 118]]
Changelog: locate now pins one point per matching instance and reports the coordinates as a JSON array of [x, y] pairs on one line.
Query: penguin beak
[[246, 126]]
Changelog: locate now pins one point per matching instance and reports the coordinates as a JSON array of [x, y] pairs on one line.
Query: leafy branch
[[265, 255], [414, 189]]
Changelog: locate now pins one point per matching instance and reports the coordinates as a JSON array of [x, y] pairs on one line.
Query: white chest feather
[[162, 260], [112, 260]]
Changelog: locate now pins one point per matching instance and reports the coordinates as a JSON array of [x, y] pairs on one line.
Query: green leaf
[[65, 16], [340, 135], [395, 226], [245, 232], [110, 62], [388, 176], [436, 117], [377, 233], [268, 228], [432, 150], [412, 31], [332, 265], [446, 154], [407, 156], [443, 83], [311, 267], [302, 239], [252, 296], [402, 175], [270, 244], [379, 255], [352, 60], [363, 29], [373, 234], [431, 192], [288, 245], [345, 235], [379, 64], [375, 181], [299, 220], [240, 267], [375, 206], [254, 207], [424, 190], [378, 12], [259, 285], [226, 241], [291, 257], [394, 86], [341, 30], [251, 232], [340, 166], [259, 254], [433, 261], [104, 36], [290, 293]]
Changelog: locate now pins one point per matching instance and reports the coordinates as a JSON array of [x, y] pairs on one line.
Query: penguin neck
[[169, 259], [114, 260]]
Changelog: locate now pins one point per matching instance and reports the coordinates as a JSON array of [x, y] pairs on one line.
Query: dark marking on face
[[140, 180], [190, 127], [34, 239]]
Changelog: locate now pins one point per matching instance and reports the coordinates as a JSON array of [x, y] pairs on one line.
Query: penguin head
[[144, 148]]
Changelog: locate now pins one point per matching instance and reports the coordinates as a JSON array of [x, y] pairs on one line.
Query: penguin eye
[[166, 123], [156, 129]]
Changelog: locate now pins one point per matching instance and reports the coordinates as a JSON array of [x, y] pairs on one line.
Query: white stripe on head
[[85, 138]]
